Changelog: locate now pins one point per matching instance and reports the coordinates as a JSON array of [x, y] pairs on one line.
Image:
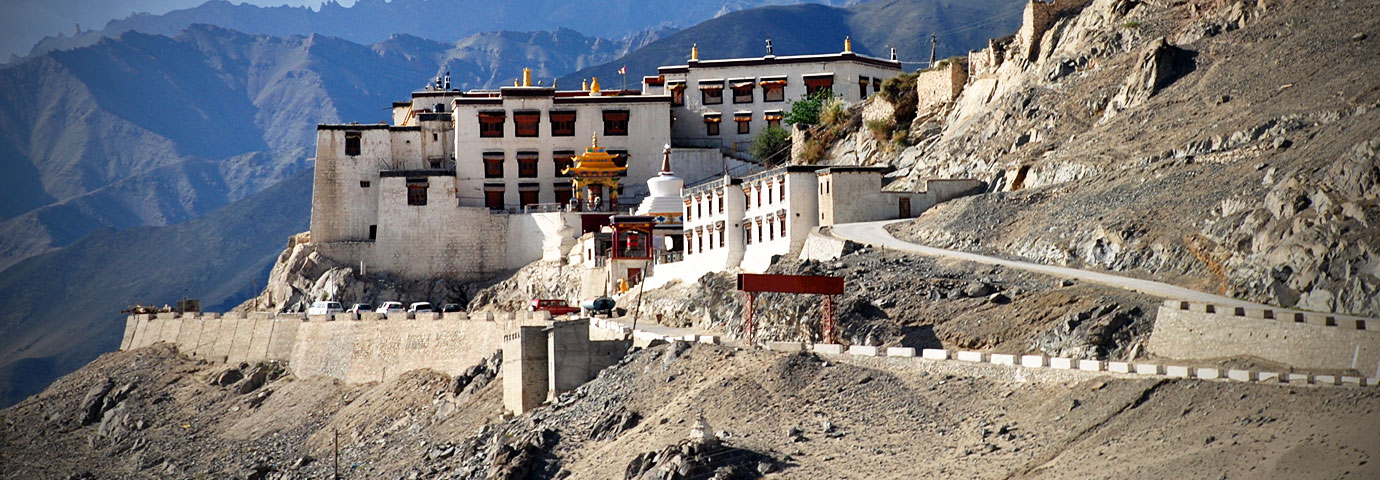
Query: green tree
[[806, 110], [772, 146]]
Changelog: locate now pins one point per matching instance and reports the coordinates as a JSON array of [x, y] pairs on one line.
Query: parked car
[[359, 308], [451, 307], [325, 308], [390, 307], [554, 305], [419, 307]]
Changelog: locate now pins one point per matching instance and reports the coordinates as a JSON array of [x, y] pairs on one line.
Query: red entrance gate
[[752, 284]]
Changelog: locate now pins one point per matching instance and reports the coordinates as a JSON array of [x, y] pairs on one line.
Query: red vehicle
[[555, 306]]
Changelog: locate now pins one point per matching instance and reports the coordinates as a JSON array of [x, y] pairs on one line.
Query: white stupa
[[663, 198]]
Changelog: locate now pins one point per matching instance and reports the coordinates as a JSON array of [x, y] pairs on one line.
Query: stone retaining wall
[[1195, 331]]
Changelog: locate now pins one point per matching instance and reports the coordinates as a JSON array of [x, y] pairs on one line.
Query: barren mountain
[[1228, 146]]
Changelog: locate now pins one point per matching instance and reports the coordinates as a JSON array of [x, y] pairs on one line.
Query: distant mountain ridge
[[369, 21], [875, 27]]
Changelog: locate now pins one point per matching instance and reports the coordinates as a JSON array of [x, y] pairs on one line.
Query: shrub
[[811, 152], [772, 146], [806, 110], [832, 112], [881, 128]]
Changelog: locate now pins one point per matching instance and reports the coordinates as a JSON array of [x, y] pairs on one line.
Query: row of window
[[528, 194], [527, 123], [527, 162], [770, 192], [770, 230], [744, 121]]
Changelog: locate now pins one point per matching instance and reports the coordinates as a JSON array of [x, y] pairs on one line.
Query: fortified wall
[[372, 347], [1026, 43], [1195, 331], [941, 85]]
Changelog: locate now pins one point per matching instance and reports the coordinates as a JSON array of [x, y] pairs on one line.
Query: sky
[[24, 22]]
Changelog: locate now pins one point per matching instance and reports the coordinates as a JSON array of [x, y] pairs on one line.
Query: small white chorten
[[663, 198]]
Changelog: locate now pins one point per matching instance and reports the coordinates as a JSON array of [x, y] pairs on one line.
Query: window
[[773, 118], [721, 202], [783, 191], [759, 195], [620, 158], [527, 164], [352, 143], [525, 123], [677, 94], [747, 233], [563, 160], [491, 124], [721, 236], [816, 84], [759, 230], [699, 235], [373, 232], [562, 124], [493, 196], [771, 231], [527, 194], [688, 212], [711, 125], [615, 122], [744, 121], [699, 209], [774, 90], [862, 87], [742, 91], [416, 191], [493, 164], [365, 183], [783, 227], [712, 93], [876, 85], [563, 193]]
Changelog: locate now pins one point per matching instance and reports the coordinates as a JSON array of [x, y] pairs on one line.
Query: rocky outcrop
[[1159, 65]]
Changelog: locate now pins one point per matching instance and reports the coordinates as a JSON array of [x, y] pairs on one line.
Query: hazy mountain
[[151, 130], [369, 21], [62, 309], [874, 26]]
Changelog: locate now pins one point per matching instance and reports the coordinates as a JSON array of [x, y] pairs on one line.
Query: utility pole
[[934, 42]]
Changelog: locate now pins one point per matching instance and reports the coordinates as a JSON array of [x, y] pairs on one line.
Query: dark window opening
[[527, 164], [876, 85], [783, 228], [862, 88], [563, 160], [721, 205], [562, 124], [435, 137], [721, 238], [678, 96], [493, 197], [416, 191], [744, 123], [373, 232], [615, 122], [742, 92], [365, 183], [712, 94], [819, 84], [525, 123], [352, 140], [563, 193], [491, 124], [527, 194], [771, 232], [747, 233], [493, 165], [774, 92], [711, 126]]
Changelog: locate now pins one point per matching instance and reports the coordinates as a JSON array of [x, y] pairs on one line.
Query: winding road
[[875, 234]]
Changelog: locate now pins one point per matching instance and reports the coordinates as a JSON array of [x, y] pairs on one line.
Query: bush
[[806, 111], [772, 146], [895, 87], [881, 128], [811, 152], [832, 112]]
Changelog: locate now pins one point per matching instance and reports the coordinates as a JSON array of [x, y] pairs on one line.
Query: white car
[[359, 308], [390, 307], [325, 308], [419, 307]]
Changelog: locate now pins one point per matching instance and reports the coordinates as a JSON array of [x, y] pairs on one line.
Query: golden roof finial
[[594, 140], [584, 85], [517, 82], [594, 86], [526, 77], [847, 44], [695, 52]]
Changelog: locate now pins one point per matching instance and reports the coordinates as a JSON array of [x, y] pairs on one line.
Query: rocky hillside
[[1169, 140], [680, 411]]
